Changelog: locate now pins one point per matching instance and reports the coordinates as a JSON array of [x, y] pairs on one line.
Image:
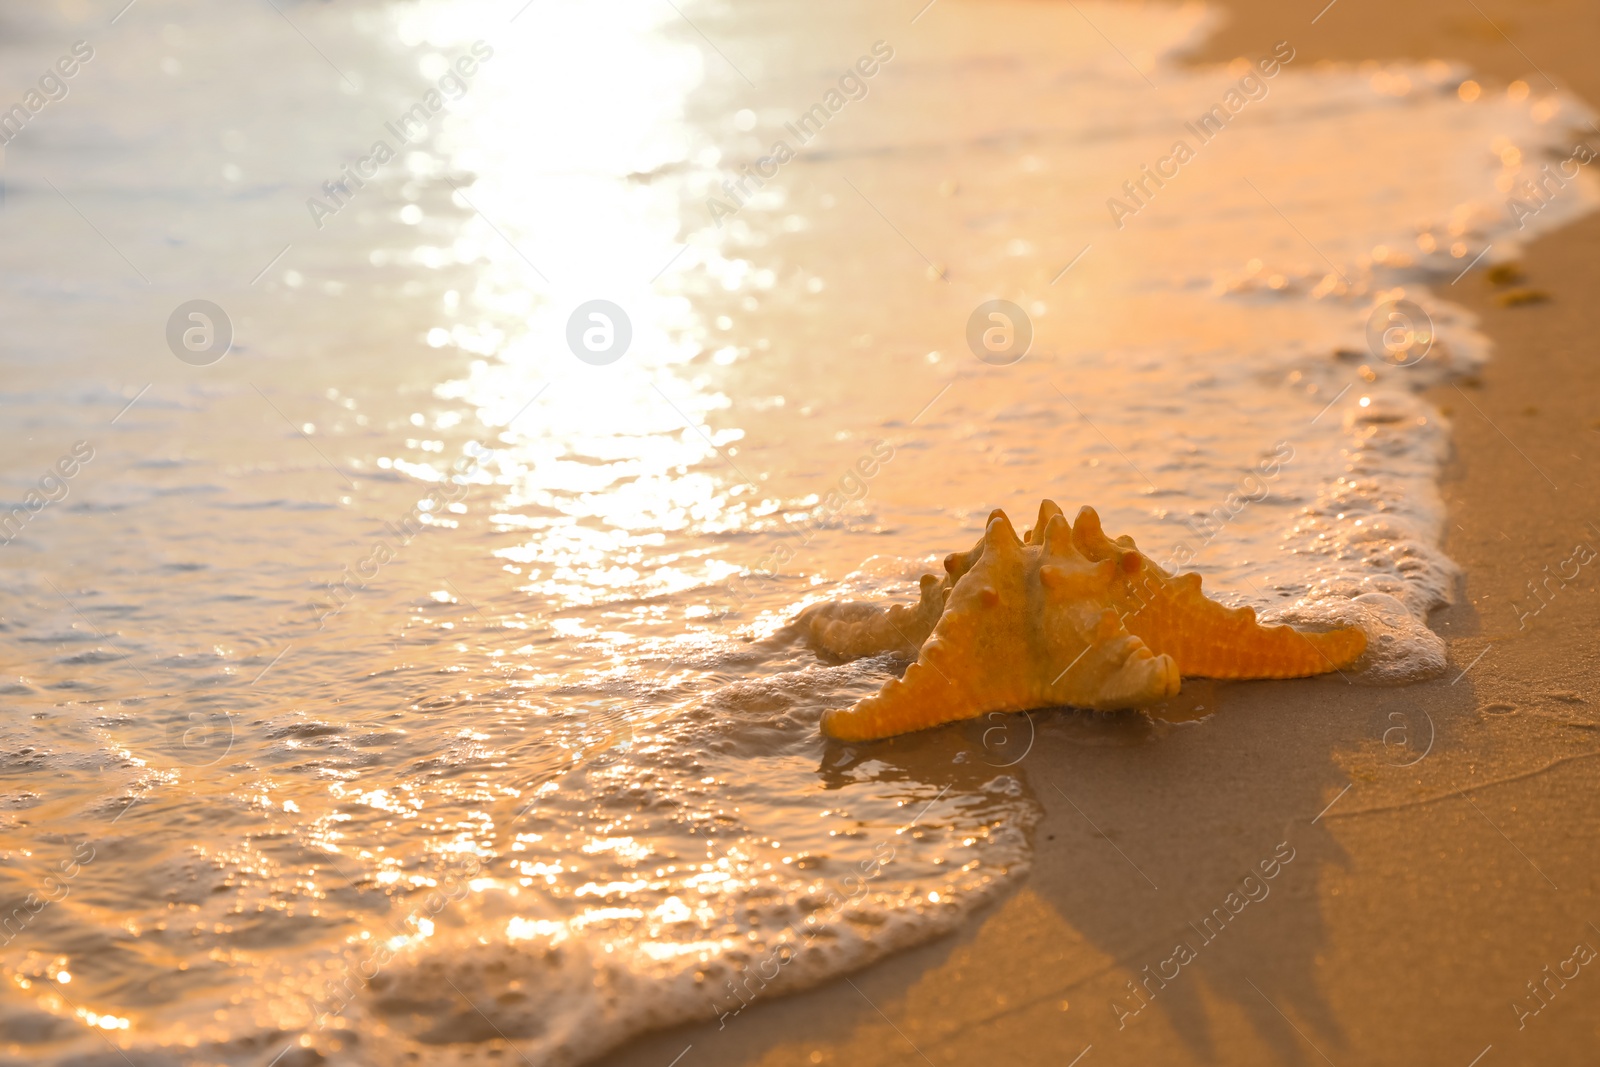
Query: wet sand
[[1442, 835]]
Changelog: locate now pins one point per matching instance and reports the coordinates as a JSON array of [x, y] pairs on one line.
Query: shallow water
[[541, 766]]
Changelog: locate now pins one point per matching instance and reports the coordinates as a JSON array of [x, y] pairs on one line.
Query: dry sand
[[1420, 905]]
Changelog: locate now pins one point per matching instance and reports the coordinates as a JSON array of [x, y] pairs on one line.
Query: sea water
[[391, 672]]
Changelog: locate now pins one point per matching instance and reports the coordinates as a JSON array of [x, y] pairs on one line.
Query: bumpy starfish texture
[[1207, 639], [1065, 616], [850, 630], [1026, 626]]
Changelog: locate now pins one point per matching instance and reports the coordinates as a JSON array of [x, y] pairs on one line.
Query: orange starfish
[[1066, 616], [1026, 626]]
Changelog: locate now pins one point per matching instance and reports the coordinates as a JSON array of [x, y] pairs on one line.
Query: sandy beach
[[1442, 834]]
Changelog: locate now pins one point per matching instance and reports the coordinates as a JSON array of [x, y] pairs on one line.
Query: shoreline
[[1440, 831]]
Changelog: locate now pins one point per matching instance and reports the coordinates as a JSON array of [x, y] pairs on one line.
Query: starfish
[[1065, 615], [1024, 626]]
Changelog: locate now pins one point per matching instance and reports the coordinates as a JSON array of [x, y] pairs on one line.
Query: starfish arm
[[851, 630], [1208, 640], [1212, 641]]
